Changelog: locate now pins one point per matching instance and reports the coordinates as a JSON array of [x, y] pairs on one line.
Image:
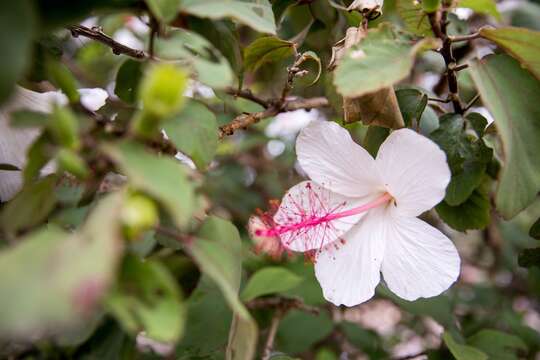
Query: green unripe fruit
[[139, 214], [162, 90]]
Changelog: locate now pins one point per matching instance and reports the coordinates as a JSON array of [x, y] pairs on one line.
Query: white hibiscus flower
[[358, 215]]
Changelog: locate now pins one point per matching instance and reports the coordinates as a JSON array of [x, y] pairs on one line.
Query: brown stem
[[245, 120], [98, 35], [247, 94], [269, 344], [438, 22]]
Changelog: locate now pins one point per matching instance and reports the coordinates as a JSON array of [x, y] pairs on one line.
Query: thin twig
[[471, 103], [247, 94], [98, 35], [172, 233], [445, 101], [269, 344], [245, 120], [459, 38], [280, 302]]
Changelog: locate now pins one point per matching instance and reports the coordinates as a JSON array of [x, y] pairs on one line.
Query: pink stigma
[[313, 218]]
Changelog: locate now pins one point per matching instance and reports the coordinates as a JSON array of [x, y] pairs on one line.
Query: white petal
[[14, 142], [419, 261], [327, 153], [93, 98], [349, 272], [307, 201], [414, 171]]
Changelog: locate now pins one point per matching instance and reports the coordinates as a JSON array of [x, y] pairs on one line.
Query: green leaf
[[195, 133], [28, 119], [481, 6], [374, 138], [467, 157], [534, 231], [268, 49], [223, 34], [413, 15], [208, 321], [127, 80], [462, 352], [254, 13], [474, 213], [62, 77], [30, 206], [497, 345], [478, 123], [298, 331], [513, 97], [529, 257], [270, 280], [412, 103], [52, 282], [17, 19], [148, 299], [8, 167], [208, 65], [522, 44], [217, 251], [380, 60], [162, 178], [164, 10]]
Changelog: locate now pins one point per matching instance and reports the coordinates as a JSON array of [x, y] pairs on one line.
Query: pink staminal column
[[312, 220]]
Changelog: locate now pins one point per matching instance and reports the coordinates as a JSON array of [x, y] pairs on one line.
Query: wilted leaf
[[270, 280], [163, 178], [254, 13], [268, 49], [209, 65], [522, 44], [53, 282], [148, 299], [513, 97], [195, 133], [462, 352], [380, 60]]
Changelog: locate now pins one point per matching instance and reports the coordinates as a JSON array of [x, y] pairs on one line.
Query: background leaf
[[254, 13], [517, 116], [269, 280]]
